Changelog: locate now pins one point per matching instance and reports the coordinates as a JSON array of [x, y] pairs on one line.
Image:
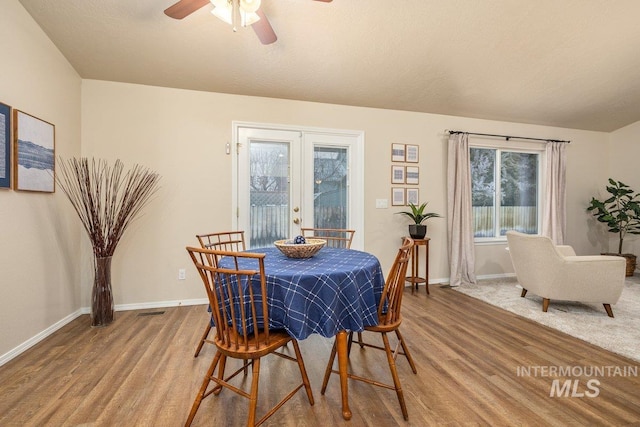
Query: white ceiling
[[567, 63]]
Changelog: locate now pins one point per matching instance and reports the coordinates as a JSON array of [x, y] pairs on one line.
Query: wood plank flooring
[[140, 371]]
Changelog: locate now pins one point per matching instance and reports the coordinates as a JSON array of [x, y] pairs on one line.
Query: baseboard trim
[[15, 352]]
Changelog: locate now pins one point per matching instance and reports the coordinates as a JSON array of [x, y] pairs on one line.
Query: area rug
[[588, 322]]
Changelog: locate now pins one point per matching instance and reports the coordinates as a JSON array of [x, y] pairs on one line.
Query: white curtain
[[459, 212], [554, 206]]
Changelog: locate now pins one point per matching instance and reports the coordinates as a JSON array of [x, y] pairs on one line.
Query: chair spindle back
[[238, 311], [391, 300]]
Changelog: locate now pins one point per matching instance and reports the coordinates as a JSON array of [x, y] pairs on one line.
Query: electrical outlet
[[182, 274]]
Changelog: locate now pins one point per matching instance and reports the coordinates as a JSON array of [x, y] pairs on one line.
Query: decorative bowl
[[302, 250]]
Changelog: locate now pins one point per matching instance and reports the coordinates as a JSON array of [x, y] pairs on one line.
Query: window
[[505, 186]]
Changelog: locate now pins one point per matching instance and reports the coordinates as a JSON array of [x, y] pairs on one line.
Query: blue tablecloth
[[337, 289]]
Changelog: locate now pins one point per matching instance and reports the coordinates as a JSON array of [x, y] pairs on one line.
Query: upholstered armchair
[[556, 273]]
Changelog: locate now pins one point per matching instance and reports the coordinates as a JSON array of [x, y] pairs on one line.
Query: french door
[[290, 178]]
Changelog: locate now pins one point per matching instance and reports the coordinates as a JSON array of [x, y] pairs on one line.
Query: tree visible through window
[[505, 188]]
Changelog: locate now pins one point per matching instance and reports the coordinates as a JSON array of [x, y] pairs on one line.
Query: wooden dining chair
[[335, 237], [389, 320], [227, 241], [232, 241], [239, 332]]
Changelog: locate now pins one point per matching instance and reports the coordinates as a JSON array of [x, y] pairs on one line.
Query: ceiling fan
[[229, 11]]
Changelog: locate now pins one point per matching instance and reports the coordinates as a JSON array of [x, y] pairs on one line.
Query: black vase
[[417, 231]]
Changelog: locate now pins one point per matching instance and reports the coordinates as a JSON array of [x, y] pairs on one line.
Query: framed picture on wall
[[397, 175], [34, 153], [412, 196], [397, 196], [5, 146], [397, 152], [412, 175], [412, 153]]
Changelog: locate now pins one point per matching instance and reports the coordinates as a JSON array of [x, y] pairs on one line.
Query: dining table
[[332, 293]]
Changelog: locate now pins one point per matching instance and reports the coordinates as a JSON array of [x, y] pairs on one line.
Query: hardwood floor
[[140, 371]]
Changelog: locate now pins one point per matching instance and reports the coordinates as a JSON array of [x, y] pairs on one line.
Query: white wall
[[182, 134], [624, 166], [39, 275]]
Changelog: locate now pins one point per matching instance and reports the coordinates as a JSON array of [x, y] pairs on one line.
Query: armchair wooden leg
[[545, 304], [524, 292], [609, 310]]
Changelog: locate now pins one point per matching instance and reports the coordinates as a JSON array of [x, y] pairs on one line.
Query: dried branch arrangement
[[105, 197]]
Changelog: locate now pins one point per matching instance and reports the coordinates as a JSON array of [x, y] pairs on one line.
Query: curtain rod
[[507, 137]]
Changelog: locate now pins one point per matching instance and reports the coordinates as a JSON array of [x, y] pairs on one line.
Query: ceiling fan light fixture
[[250, 6], [225, 10]]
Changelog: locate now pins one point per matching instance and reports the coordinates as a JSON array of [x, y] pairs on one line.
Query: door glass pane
[[269, 192], [330, 187], [483, 191], [519, 192]]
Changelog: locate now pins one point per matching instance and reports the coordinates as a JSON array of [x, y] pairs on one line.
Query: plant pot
[[631, 262], [417, 231], [101, 295]]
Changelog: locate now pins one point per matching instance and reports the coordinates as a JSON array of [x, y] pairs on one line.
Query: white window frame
[[514, 147]]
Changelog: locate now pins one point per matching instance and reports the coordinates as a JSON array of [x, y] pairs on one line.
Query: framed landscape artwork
[[5, 146], [34, 153]]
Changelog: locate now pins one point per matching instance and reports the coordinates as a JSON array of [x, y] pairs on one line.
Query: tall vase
[[101, 294]]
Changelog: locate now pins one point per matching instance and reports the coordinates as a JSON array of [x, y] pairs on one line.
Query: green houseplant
[[621, 213], [417, 230]]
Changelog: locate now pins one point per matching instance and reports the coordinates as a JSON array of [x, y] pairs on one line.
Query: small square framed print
[[397, 175], [412, 153], [397, 196], [397, 152], [412, 175], [412, 196]]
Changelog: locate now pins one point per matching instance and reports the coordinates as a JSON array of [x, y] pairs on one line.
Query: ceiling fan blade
[[263, 29], [184, 8]]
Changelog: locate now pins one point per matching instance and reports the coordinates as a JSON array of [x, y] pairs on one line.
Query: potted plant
[[417, 230], [621, 213]]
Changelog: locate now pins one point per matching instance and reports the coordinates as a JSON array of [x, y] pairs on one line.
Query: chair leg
[[545, 304], [253, 396], [327, 372], [607, 307], [203, 389], [303, 371], [405, 349], [203, 339], [221, 368], [360, 339], [394, 374], [524, 292]]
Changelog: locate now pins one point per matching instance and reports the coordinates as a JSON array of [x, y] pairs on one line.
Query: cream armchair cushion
[[555, 272]]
